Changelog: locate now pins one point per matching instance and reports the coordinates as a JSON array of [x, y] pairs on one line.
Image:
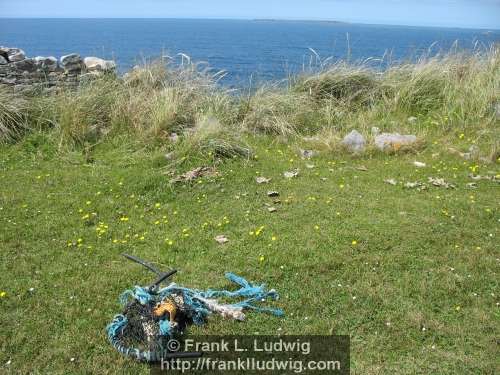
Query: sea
[[248, 51]]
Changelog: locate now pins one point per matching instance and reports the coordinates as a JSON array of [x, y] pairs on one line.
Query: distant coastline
[[277, 20], [299, 20]]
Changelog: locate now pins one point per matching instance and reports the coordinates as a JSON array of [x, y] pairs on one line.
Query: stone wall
[[48, 74]]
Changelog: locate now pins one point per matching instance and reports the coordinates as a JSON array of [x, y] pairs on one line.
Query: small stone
[[291, 174], [391, 181], [375, 131], [354, 142], [262, 180], [393, 141], [273, 194], [412, 119], [474, 151], [440, 182], [307, 154], [3, 60], [272, 209], [221, 239], [419, 164]]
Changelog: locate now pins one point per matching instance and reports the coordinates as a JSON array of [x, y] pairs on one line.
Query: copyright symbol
[[173, 345]]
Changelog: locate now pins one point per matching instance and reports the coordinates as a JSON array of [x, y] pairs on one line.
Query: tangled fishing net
[[153, 315]]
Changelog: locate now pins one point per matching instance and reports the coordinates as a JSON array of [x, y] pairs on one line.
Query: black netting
[[142, 329]]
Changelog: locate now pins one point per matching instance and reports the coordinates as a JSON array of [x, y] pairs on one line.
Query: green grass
[[422, 259], [411, 276]]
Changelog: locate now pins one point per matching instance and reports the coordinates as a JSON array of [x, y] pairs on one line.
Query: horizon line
[[264, 19]]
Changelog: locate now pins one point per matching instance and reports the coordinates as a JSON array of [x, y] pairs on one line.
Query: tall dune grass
[[444, 93]]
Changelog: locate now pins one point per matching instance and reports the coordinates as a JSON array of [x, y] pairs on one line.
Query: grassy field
[[411, 275]]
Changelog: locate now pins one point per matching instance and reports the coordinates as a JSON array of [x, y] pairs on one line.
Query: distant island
[[285, 20]]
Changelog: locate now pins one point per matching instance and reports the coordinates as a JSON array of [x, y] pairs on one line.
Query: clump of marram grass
[[13, 115], [85, 116], [341, 83], [275, 112], [161, 99], [211, 138]]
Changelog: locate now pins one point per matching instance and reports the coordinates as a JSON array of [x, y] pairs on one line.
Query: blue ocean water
[[247, 50]]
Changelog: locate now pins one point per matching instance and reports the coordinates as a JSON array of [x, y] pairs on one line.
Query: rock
[[307, 154], [13, 54], [291, 174], [8, 81], [3, 60], [393, 141], [221, 239], [194, 174], [97, 64], [440, 182], [48, 64], [354, 142], [474, 152], [391, 181], [412, 119], [72, 62], [73, 68], [262, 180], [72, 58], [26, 65]]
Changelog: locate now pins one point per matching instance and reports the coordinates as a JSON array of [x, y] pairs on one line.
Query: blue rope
[[194, 305]]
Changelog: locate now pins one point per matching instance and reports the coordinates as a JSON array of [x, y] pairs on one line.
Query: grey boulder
[[387, 141], [14, 54], [48, 64], [72, 62], [26, 65], [72, 58], [3, 60], [97, 64], [354, 142]]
